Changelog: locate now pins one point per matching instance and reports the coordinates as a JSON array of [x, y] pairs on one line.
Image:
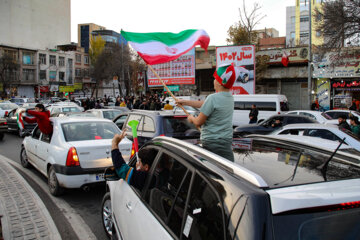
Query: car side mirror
[[110, 174]]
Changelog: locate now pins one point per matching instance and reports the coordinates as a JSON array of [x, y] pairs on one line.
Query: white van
[[267, 104]]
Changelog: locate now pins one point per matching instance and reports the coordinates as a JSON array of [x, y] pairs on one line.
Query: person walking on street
[[253, 115], [343, 123], [216, 114]]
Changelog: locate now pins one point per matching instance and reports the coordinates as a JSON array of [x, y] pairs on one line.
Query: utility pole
[[310, 57]]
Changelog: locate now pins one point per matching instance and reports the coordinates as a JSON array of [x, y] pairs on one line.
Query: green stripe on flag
[[167, 38]]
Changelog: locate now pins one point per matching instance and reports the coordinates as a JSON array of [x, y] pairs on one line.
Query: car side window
[[149, 125], [135, 117], [120, 121], [204, 212], [167, 197], [36, 133], [322, 133], [46, 138], [292, 120]]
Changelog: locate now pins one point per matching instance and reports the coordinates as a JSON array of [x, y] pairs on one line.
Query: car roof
[[311, 125], [306, 111], [159, 113], [61, 120]]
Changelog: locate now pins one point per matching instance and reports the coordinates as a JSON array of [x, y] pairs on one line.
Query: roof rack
[[242, 172]]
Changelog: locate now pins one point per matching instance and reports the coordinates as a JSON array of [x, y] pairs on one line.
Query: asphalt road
[[87, 205]]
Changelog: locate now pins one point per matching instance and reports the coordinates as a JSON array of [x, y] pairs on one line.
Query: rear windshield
[[111, 114], [70, 109], [83, 131], [179, 126], [343, 224]]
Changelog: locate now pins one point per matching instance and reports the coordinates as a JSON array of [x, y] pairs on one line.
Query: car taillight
[[162, 135], [3, 123], [6, 113], [329, 208], [132, 150], [72, 159], [278, 112]]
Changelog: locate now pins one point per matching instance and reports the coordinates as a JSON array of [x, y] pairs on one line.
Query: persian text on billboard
[[241, 56], [179, 71]]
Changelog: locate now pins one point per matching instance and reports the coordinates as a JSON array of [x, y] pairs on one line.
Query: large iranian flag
[[161, 47]]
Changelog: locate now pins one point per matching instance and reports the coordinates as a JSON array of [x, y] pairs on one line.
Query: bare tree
[[339, 23], [8, 71]]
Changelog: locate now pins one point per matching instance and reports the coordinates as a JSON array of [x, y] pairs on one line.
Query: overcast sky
[[215, 17]]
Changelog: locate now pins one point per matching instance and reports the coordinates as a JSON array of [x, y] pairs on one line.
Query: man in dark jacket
[[253, 115], [343, 123], [135, 177], [41, 117]]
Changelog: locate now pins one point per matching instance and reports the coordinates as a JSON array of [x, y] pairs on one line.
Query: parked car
[[11, 120], [6, 107], [335, 114], [76, 154], [265, 127], [3, 128], [275, 189], [321, 117], [64, 107], [157, 123], [330, 132], [105, 113]]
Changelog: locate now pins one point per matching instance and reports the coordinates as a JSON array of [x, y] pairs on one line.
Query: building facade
[[84, 34], [34, 24]]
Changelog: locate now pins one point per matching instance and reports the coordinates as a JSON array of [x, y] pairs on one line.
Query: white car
[[321, 117], [337, 113], [76, 154], [64, 107], [330, 132], [6, 107], [105, 113]]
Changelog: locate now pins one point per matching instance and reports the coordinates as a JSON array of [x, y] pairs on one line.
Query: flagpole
[[167, 89]]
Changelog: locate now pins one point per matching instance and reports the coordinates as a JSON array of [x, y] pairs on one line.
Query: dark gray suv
[[275, 189]]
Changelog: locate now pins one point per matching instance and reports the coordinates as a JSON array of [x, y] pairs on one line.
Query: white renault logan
[[75, 155]]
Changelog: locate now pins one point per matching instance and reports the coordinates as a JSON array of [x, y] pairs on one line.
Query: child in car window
[[135, 177]]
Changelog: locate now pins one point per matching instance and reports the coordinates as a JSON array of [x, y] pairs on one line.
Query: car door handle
[[128, 206]]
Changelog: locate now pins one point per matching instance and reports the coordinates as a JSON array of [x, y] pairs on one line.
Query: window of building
[[61, 61], [292, 35], [86, 59], [52, 75], [12, 54], [304, 18], [42, 75], [304, 34], [78, 58], [78, 72], [70, 71], [28, 58], [28, 75], [86, 72], [42, 58], [293, 20], [52, 60], [61, 76]]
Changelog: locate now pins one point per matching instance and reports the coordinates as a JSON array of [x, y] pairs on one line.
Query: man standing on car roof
[[216, 114]]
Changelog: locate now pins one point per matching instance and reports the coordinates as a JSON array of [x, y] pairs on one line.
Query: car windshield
[[179, 126], [326, 116], [83, 131], [315, 224], [349, 133], [70, 109], [111, 114], [7, 106]]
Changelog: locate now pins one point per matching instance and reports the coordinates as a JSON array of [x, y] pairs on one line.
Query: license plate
[[99, 177]]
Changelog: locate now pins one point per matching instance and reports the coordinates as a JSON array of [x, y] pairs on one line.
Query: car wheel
[[53, 183], [24, 159], [106, 215]]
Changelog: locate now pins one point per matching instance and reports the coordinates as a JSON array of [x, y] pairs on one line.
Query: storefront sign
[[353, 84], [241, 56], [335, 65], [78, 86], [66, 89], [295, 55], [179, 71], [54, 88], [174, 88], [323, 93]]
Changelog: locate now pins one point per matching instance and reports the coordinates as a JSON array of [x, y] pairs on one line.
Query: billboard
[[178, 71], [296, 55], [323, 93], [241, 56]]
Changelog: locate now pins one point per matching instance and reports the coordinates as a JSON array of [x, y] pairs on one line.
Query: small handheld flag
[[19, 121]]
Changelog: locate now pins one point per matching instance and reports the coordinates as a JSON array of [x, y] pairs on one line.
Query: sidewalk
[[23, 214]]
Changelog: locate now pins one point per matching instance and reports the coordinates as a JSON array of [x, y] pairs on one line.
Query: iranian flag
[[161, 47], [19, 121]]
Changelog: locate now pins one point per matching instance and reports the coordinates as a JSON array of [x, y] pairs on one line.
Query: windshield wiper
[[325, 166]]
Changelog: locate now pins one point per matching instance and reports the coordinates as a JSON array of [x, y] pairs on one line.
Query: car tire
[[106, 216], [23, 158], [53, 183]]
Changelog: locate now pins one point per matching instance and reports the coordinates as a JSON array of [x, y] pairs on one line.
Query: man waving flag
[[161, 47]]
